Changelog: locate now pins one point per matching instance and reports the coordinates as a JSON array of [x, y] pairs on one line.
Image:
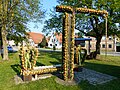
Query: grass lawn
[[8, 69]]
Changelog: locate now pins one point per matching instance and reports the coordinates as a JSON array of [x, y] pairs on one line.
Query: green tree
[[93, 24], [43, 42], [53, 24], [14, 15]]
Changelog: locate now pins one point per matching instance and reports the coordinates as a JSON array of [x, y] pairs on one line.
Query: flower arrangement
[[63, 8], [46, 70], [72, 47], [28, 57], [65, 47], [86, 10], [68, 56]]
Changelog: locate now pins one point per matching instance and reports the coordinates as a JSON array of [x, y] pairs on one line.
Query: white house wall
[[53, 41], [11, 43]]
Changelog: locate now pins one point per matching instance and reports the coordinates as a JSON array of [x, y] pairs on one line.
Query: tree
[[94, 24], [80, 35], [14, 15], [53, 24], [43, 42]]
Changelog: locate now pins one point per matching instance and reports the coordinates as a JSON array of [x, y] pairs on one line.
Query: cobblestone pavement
[[92, 77]]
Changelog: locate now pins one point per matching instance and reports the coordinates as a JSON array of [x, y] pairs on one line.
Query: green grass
[[105, 64], [49, 58], [8, 69]]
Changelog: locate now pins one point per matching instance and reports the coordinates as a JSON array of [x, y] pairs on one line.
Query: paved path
[[111, 53], [93, 77]]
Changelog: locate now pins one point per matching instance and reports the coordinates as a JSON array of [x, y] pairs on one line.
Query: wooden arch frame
[[68, 44], [68, 36]]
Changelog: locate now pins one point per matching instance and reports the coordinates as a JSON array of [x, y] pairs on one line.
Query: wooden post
[[68, 46], [68, 36], [72, 46], [27, 77], [106, 36], [65, 47]]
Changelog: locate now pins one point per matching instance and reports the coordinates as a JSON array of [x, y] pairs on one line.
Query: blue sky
[[46, 5]]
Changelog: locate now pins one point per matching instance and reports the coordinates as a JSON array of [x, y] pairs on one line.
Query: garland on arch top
[[64, 8]]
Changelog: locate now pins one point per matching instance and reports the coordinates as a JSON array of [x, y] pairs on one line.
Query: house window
[[103, 45], [50, 44], [103, 38], [55, 44], [110, 38], [110, 46]]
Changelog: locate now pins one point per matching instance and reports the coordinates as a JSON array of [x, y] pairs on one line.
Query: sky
[[46, 5]]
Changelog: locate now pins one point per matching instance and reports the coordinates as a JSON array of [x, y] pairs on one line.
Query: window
[[110, 38], [110, 46], [103, 45], [103, 38], [50, 44]]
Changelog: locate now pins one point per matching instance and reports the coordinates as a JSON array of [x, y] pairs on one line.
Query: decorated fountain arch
[[29, 56], [68, 36]]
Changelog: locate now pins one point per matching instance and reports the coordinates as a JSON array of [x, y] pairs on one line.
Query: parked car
[[10, 49]]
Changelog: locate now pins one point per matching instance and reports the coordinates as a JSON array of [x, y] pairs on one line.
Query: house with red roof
[[35, 38], [55, 40]]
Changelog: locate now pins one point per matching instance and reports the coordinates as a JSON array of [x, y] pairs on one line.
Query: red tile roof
[[59, 37], [36, 37]]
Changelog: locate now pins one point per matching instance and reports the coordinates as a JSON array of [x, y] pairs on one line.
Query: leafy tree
[[80, 35], [53, 24], [43, 43], [94, 25], [14, 15]]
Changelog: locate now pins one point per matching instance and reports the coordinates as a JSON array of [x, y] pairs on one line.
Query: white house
[[11, 43], [112, 43], [55, 40]]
